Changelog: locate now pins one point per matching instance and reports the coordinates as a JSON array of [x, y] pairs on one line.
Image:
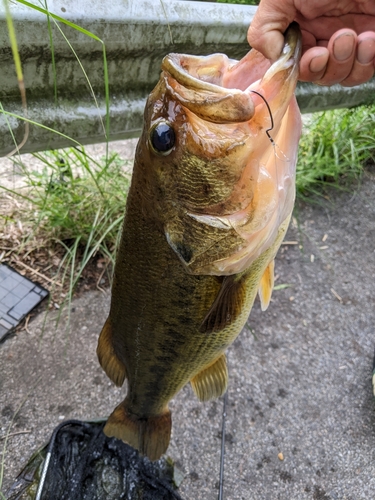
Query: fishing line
[[222, 453], [274, 145], [271, 127], [271, 117], [222, 456]]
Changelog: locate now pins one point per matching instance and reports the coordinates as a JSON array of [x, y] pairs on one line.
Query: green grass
[[74, 196], [72, 203], [57, 20], [334, 149]]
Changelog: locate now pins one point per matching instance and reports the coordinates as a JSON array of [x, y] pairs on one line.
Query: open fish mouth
[[246, 112], [221, 90]]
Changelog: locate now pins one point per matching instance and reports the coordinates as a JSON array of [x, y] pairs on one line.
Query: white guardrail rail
[[137, 34]]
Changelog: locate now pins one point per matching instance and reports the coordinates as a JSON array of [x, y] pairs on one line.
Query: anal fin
[[149, 435], [266, 286], [108, 359], [227, 305], [212, 381]]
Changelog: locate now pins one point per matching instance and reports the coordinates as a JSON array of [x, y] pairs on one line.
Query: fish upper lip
[[172, 63], [291, 53], [290, 56]]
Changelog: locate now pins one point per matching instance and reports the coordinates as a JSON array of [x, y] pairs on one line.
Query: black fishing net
[[81, 463]]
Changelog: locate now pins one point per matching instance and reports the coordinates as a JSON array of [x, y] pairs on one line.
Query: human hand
[[338, 37]]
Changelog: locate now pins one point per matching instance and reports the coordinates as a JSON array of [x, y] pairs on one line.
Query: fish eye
[[162, 138]]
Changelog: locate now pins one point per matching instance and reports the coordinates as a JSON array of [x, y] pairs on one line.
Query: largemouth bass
[[209, 204]]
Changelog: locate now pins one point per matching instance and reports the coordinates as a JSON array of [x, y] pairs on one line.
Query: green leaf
[[282, 286]]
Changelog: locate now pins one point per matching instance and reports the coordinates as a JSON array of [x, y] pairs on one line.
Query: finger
[[270, 44], [314, 59], [342, 51], [266, 30], [363, 66], [313, 64]]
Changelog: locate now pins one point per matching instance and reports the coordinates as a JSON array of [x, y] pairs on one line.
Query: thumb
[[270, 22]]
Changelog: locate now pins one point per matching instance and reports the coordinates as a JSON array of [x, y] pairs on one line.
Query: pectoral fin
[[211, 382], [266, 286], [227, 305], [108, 359]]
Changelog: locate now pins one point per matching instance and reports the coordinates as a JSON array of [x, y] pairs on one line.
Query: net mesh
[[87, 465]]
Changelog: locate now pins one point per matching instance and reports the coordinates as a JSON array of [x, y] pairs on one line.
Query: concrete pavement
[[300, 376]]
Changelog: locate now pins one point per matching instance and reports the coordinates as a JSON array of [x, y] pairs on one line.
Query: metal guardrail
[[137, 34]]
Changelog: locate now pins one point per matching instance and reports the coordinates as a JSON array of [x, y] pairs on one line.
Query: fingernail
[[343, 47], [366, 51], [318, 63]]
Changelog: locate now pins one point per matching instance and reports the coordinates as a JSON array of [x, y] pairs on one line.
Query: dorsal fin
[[211, 382], [227, 305], [266, 286]]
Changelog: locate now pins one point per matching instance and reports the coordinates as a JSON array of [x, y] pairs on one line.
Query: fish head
[[218, 154]]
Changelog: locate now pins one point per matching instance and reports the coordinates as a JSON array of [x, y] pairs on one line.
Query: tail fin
[[108, 359], [150, 436]]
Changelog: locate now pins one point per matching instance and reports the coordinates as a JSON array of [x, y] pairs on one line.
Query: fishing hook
[[271, 117], [270, 138]]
